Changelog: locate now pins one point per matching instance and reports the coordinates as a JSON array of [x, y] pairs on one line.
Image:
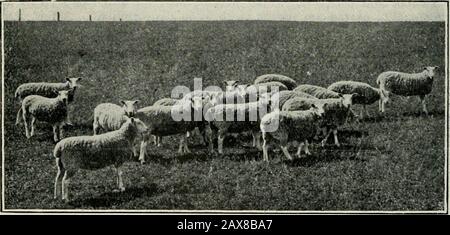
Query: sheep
[[287, 81], [235, 118], [166, 102], [336, 112], [51, 110], [366, 94], [48, 90], [285, 126], [168, 120], [267, 87], [284, 96], [95, 152], [318, 92], [110, 117], [157, 140], [406, 84]]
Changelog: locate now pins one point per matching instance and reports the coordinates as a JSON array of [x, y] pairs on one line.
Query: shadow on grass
[[109, 199]]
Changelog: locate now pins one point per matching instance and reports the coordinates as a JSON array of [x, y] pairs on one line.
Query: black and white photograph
[[225, 107]]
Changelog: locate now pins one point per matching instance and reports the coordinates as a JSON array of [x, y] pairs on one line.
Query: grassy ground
[[397, 164]]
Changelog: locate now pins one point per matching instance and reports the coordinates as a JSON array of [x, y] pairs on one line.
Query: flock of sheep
[[285, 112]]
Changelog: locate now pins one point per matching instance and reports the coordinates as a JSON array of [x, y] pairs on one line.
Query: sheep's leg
[[258, 140], [61, 130], [299, 149], [185, 145], [159, 141], [143, 151], [324, 141], [55, 133], [24, 116], [220, 140], [336, 141], [65, 186], [265, 147], [180, 148], [96, 127], [33, 121], [424, 105], [59, 176], [286, 151], [19, 115], [120, 186], [307, 148]]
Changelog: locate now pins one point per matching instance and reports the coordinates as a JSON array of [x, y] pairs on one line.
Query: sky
[[157, 11]]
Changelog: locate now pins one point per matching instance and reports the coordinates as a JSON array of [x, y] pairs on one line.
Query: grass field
[[397, 163]]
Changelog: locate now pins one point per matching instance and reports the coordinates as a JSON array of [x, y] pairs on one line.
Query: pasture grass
[[391, 162]]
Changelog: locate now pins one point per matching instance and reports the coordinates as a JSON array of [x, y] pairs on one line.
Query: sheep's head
[[430, 70], [64, 96], [136, 124], [198, 102], [73, 82], [231, 85], [319, 108], [129, 107], [347, 99]]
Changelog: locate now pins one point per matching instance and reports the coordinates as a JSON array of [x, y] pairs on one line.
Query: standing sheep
[[157, 140], [366, 94], [336, 112], [235, 118], [284, 96], [48, 90], [287, 81], [318, 91], [285, 126], [406, 84], [51, 110], [95, 152], [168, 120]]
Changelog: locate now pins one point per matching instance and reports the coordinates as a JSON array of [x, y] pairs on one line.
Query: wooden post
[[90, 17], [57, 16], [120, 19], [20, 14]]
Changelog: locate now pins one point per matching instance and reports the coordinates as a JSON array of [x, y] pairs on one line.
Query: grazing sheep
[[285, 126], [168, 120], [318, 92], [284, 96], [287, 81], [406, 84], [268, 87], [48, 90], [51, 110], [366, 94], [235, 118], [336, 112], [95, 152]]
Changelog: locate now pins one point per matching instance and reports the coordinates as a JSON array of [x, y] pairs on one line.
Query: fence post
[[90, 17], [20, 14], [57, 16]]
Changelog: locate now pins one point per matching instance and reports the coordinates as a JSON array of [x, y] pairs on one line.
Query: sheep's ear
[[79, 78], [136, 101], [313, 106], [68, 79], [132, 120], [122, 102], [324, 105], [340, 95]]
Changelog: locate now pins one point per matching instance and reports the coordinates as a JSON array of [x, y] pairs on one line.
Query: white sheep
[[169, 120], [286, 126], [157, 140], [287, 81], [318, 91], [281, 97], [267, 87], [48, 90], [235, 118], [336, 112], [110, 117], [366, 94], [406, 84], [50, 110], [95, 152]]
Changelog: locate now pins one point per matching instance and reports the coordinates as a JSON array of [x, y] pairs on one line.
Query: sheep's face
[[64, 96], [197, 102], [347, 100], [231, 85], [319, 108], [129, 107], [138, 125], [430, 70], [73, 82]]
